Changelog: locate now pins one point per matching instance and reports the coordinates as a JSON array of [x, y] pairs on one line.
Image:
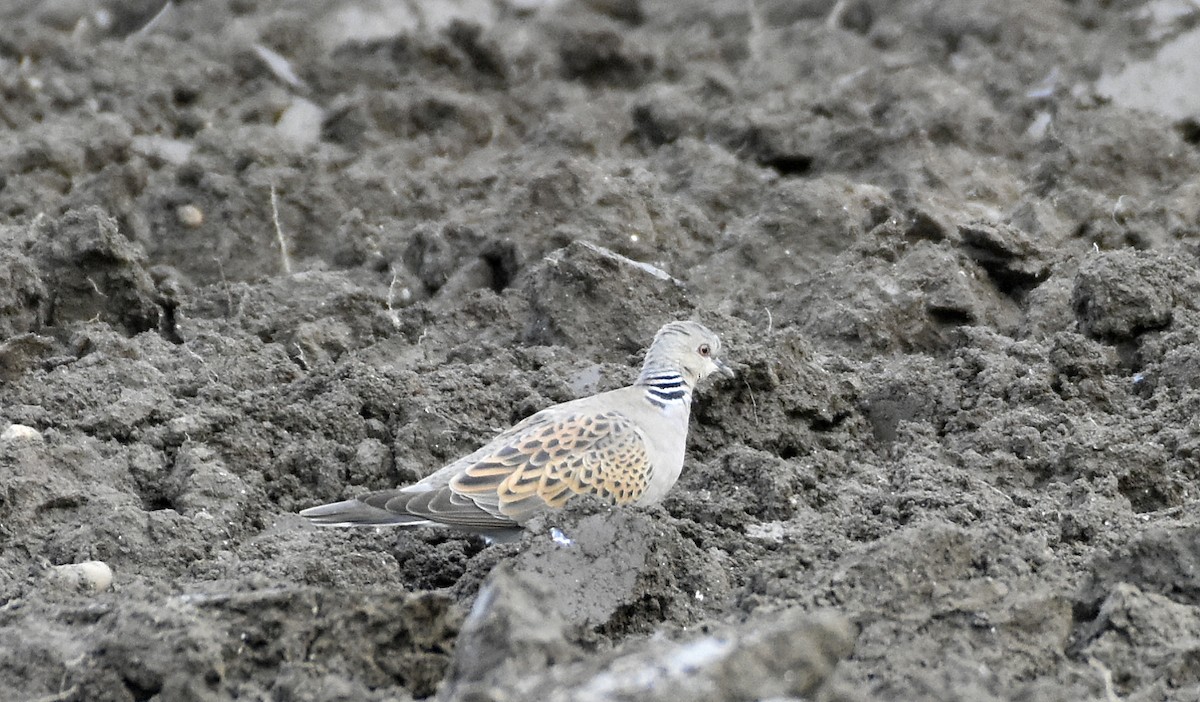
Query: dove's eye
[[704, 350]]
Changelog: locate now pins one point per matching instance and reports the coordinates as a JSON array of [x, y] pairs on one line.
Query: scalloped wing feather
[[579, 453]]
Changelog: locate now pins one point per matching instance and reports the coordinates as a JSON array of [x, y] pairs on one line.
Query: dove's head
[[687, 347]]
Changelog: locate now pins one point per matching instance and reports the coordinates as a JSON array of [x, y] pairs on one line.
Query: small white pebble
[[173, 151], [20, 432], [103, 19], [560, 538], [301, 121], [95, 576], [1039, 126], [189, 216]]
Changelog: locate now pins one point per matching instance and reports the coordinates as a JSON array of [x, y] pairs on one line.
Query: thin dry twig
[[1109, 692], [212, 375], [61, 696], [283, 249], [391, 298], [154, 21], [834, 19], [225, 284], [1118, 209], [754, 39], [753, 402]]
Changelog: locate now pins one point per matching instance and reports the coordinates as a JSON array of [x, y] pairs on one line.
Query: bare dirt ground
[[262, 255]]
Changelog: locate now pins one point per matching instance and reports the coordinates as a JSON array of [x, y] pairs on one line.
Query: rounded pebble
[[189, 216], [20, 432], [94, 576]]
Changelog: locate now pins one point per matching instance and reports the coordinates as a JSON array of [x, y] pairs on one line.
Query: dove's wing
[[541, 463], [577, 453]]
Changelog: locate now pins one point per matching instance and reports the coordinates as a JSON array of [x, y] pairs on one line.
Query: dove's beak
[[724, 369]]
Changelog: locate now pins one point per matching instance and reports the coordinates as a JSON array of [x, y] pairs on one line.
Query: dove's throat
[[664, 387]]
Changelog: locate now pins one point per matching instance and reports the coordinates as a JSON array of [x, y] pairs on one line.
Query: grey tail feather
[[350, 513]]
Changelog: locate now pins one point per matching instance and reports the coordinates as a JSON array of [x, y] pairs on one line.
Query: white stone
[[94, 576], [301, 121], [20, 432]]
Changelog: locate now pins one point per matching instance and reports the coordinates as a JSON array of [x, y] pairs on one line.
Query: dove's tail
[[355, 513]]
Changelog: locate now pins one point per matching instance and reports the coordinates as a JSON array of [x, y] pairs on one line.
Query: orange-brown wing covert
[[602, 454]]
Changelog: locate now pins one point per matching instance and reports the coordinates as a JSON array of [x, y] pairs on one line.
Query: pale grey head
[[690, 348]]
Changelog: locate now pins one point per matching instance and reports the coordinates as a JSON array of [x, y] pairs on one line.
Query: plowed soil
[[258, 256]]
